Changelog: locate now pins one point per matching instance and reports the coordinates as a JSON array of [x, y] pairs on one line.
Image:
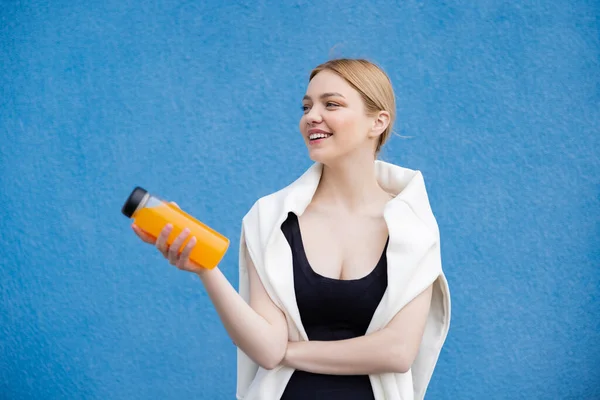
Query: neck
[[350, 185]]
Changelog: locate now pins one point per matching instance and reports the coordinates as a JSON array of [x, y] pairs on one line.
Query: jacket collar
[[411, 226]]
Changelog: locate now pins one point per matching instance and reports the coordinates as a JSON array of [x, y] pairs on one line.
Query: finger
[[176, 245], [142, 235], [185, 254], [161, 241]]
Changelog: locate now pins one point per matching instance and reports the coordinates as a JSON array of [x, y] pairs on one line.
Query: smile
[[317, 136]]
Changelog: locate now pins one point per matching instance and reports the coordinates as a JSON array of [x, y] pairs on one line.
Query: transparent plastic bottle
[[151, 214]]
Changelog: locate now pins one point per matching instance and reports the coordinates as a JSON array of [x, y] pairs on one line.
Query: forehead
[[329, 82]]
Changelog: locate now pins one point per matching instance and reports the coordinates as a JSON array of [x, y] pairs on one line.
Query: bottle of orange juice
[[151, 214]]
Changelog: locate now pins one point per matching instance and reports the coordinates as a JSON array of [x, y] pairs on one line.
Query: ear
[[380, 123]]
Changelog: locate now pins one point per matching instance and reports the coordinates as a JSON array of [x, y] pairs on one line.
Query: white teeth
[[314, 136]]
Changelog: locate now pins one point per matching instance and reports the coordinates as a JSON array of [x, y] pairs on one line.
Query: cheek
[[302, 124], [338, 122], [345, 126]]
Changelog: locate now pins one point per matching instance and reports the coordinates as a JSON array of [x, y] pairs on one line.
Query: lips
[[316, 134]]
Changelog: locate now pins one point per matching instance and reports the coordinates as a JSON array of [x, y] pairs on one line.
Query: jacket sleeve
[[246, 368]]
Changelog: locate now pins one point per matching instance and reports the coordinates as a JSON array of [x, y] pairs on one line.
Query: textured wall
[[199, 103]]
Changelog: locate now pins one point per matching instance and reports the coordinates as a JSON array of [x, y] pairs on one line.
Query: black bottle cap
[[133, 201]]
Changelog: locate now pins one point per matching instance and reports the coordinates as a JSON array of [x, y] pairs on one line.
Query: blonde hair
[[371, 82]]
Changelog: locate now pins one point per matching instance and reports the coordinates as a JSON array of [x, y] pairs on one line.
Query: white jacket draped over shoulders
[[414, 263]]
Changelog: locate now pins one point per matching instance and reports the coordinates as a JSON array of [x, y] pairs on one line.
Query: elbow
[[271, 358], [401, 360], [269, 364], [270, 361], [401, 366]]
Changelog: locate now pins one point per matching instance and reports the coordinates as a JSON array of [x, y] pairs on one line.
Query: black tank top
[[331, 309]]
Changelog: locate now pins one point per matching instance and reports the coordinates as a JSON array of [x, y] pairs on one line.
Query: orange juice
[[152, 214]]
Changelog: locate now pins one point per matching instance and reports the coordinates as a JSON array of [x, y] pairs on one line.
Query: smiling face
[[335, 123]]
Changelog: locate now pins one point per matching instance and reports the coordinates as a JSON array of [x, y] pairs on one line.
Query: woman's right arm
[[259, 328]]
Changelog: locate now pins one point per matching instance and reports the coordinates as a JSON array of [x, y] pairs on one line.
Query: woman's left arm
[[392, 349]]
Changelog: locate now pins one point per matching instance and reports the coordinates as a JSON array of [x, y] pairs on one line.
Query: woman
[[342, 293]]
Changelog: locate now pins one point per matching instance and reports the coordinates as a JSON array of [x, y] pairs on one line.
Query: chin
[[337, 156], [322, 156]]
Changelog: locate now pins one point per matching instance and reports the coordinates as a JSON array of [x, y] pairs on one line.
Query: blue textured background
[[499, 104]]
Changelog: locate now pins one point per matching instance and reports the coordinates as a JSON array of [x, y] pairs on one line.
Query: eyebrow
[[324, 95]]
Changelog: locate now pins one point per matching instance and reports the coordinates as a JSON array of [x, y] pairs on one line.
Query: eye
[[305, 108], [330, 104]]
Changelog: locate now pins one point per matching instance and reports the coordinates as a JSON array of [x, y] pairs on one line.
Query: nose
[[313, 116]]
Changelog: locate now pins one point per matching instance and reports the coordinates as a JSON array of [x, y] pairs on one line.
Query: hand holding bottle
[[177, 256], [186, 242]]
